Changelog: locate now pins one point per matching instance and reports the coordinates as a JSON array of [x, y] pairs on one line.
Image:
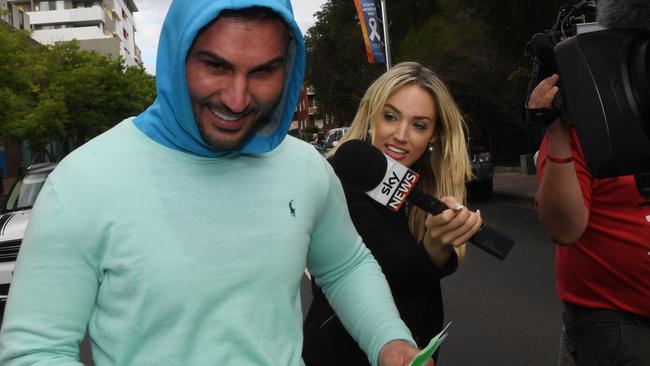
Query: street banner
[[370, 27]]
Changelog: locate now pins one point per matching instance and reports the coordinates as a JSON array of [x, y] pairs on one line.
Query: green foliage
[[310, 130], [60, 91], [336, 59], [511, 23], [480, 78], [475, 46]]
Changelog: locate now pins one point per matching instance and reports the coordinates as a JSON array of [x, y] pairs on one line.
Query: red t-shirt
[[609, 266]]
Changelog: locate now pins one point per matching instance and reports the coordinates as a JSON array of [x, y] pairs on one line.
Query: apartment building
[[306, 110], [105, 26]]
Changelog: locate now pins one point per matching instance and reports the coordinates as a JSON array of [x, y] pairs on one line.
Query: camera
[[604, 87]]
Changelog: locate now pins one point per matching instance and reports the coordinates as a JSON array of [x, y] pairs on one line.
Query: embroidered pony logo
[[292, 210]]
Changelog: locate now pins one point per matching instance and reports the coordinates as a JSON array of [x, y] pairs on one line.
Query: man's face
[[235, 75]]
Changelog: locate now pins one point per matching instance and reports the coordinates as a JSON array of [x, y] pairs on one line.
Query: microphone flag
[[370, 27], [396, 185]]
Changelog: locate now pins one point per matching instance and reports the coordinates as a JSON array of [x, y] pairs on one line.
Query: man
[[180, 237], [602, 227], [315, 140]]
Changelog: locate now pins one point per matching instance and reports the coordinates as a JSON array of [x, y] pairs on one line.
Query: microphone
[[623, 13], [362, 167]]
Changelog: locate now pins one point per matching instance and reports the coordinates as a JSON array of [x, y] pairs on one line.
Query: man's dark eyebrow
[[225, 63], [278, 61], [215, 58]]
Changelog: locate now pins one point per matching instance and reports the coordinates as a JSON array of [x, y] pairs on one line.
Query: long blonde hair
[[443, 171]]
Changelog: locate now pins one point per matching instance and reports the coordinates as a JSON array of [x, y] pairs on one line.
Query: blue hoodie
[[170, 121]]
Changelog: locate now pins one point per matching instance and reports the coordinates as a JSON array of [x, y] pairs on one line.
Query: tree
[[61, 92], [484, 82], [16, 87], [475, 46], [336, 61]]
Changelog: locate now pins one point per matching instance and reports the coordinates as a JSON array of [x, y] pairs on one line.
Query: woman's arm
[[405, 262]]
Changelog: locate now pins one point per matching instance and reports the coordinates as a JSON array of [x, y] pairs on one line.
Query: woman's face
[[406, 124]]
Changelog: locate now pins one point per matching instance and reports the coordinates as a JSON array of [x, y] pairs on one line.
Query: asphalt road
[[505, 312]]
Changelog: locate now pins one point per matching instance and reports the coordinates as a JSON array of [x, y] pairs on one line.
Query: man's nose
[[236, 96]]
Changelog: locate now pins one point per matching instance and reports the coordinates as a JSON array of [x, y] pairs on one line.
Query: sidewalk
[[509, 182]]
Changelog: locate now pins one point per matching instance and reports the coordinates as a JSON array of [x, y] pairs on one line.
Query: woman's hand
[[455, 225]]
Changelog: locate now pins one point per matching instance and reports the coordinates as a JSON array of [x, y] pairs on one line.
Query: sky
[[151, 13]]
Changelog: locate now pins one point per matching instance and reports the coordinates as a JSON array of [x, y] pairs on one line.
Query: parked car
[[319, 148], [483, 170], [15, 212], [333, 137]]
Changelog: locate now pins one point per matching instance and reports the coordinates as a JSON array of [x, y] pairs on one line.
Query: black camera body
[[605, 96], [604, 89]]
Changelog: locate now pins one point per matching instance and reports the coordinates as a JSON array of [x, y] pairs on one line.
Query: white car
[[333, 137], [13, 221]]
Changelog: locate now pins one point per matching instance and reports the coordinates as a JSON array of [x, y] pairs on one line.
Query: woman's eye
[[389, 117], [420, 125]]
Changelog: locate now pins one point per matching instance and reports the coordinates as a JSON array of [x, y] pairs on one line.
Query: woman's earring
[[430, 147]]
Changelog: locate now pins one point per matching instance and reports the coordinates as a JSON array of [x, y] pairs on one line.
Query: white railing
[[93, 14]]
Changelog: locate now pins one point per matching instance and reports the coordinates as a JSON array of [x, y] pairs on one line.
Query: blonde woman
[[409, 115]]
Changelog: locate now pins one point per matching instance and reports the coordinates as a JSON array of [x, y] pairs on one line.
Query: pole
[[386, 37]]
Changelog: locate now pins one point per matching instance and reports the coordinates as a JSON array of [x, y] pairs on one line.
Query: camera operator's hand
[[542, 97], [559, 199], [543, 94]]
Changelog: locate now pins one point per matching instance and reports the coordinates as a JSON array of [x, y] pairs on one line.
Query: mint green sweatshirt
[[172, 252], [175, 259]]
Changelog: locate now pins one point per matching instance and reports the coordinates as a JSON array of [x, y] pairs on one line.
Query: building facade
[[105, 26], [306, 111]]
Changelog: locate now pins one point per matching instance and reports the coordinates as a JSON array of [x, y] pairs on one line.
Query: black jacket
[[412, 276]]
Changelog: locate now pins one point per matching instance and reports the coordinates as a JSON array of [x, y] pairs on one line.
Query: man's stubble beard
[[219, 144]]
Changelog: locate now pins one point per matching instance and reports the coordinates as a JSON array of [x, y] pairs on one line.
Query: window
[[10, 9], [51, 5], [125, 33], [124, 14]]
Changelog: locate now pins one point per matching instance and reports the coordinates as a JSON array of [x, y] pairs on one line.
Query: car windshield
[[25, 191], [330, 139]]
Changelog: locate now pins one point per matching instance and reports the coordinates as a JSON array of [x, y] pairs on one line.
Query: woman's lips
[[394, 152]]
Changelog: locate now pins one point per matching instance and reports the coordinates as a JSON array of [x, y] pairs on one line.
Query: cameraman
[[602, 231]]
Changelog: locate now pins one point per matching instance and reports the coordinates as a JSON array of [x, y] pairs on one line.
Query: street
[[505, 312]]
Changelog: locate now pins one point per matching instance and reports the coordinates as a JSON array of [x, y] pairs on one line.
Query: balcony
[[80, 16], [49, 36], [312, 110]]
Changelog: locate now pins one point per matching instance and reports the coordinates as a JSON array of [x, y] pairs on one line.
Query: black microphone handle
[[487, 238]]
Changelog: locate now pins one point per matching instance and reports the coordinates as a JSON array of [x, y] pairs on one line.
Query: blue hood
[[170, 121]]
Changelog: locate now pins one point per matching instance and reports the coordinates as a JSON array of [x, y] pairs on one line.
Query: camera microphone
[[623, 13], [362, 167]]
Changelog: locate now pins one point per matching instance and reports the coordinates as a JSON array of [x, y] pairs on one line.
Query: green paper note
[[424, 355]]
